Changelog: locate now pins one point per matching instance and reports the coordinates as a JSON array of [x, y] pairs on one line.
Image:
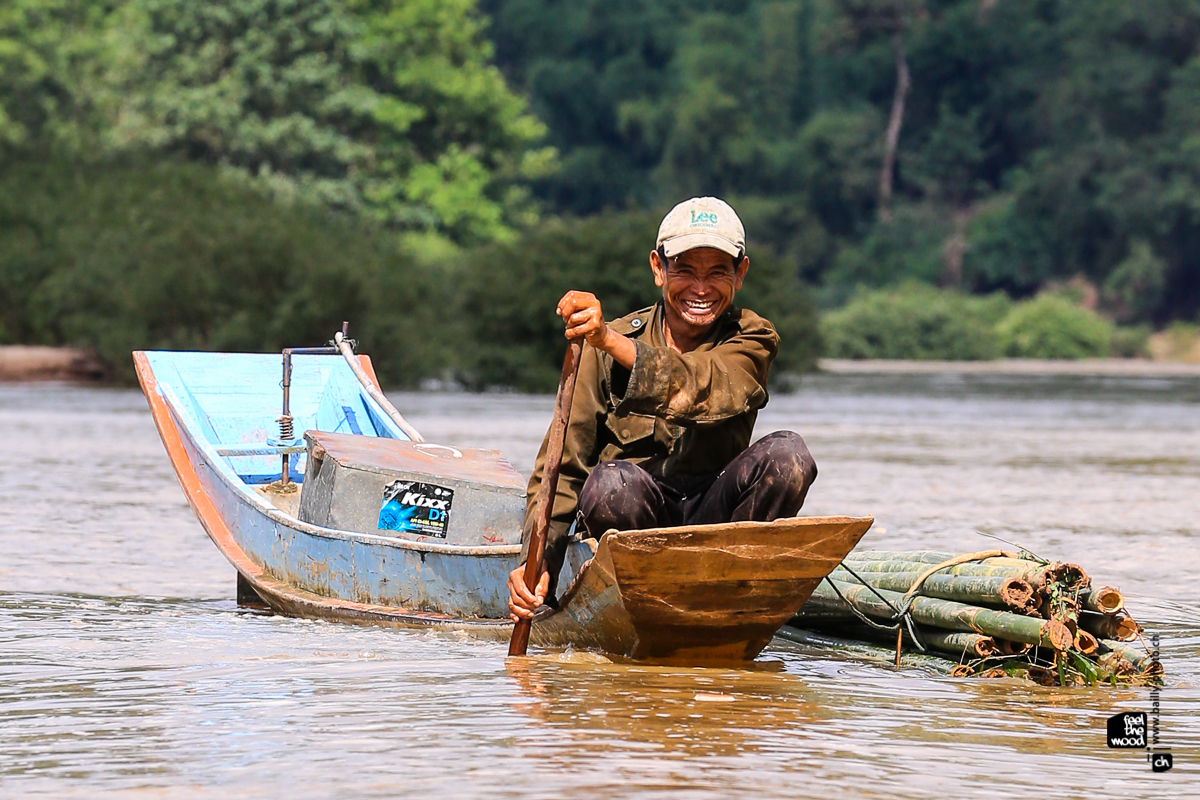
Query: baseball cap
[[701, 222]]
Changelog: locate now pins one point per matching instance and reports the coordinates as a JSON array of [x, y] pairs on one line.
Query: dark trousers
[[767, 481]]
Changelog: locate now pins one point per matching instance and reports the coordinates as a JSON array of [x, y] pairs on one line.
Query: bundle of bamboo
[[997, 613]]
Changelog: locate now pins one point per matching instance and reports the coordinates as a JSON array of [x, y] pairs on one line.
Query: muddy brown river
[[126, 668]]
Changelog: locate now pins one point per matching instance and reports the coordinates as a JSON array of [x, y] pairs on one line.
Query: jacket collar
[[635, 324], [651, 319]]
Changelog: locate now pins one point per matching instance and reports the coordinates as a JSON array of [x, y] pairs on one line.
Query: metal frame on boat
[[690, 592]]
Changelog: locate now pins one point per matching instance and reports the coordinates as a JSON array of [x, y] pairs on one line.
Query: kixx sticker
[[417, 508]]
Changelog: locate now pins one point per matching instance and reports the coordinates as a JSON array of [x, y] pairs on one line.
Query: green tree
[[119, 257], [914, 321], [1134, 288], [1106, 164], [863, 21], [1053, 327], [50, 52], [1042, 138], [384, 107]]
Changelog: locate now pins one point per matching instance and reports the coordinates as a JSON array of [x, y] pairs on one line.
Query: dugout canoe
[[694, 593]]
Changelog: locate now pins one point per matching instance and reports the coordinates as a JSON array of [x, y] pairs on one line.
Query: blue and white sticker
[[422, 509]]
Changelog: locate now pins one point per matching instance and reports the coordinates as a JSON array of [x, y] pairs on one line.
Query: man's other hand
[[522, 602], [584, 318]]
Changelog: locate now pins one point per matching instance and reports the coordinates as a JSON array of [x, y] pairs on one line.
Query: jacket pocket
[[630, 428]]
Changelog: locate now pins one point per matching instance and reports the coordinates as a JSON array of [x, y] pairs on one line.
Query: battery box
[[417, 491]]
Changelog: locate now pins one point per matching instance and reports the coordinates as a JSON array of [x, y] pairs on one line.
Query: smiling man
[[665, 404]]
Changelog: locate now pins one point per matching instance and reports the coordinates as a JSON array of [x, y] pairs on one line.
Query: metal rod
[[348, 353], [312, 351], [287, 392], [341, 346], [285, 420]]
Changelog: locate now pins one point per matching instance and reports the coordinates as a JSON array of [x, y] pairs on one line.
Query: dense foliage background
[[1039, 139], [942, 178]]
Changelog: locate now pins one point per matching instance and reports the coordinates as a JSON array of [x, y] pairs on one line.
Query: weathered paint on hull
[[350, 566], [459, 582]]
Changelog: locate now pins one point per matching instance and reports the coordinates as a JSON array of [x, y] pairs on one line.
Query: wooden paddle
[[544, 505]]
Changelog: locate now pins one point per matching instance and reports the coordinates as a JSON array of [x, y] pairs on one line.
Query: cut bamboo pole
[[1119, 627], [955, 616], [958, 644], [1025, 570], [1038, 574], [1076, 634], [930, 558], [920, 556], [918, 566], [1009, 648], [1072, 575], [868, 652], [951, 643], [1104, 600], [1086, 643], [1139, 659], [999, 590], [819, 612]]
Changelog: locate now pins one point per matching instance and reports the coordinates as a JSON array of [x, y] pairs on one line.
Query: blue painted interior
[[236, 398]]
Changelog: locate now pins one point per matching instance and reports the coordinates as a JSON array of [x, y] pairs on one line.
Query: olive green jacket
[[676, 415]]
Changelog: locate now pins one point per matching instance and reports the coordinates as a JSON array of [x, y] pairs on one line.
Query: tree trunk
[[892, 139]]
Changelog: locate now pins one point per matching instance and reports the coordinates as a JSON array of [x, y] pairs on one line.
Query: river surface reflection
[[126, 668]]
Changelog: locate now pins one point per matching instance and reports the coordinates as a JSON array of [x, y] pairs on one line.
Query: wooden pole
[[544, 505]]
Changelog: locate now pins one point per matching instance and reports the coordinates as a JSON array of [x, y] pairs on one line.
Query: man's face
[[698, 286]]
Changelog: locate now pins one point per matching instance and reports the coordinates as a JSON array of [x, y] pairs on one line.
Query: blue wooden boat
[[696, 592]]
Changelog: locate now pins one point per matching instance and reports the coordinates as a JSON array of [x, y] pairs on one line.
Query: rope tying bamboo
[[902, 617]]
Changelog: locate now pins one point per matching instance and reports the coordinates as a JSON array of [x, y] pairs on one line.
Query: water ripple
[[125, 667]]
